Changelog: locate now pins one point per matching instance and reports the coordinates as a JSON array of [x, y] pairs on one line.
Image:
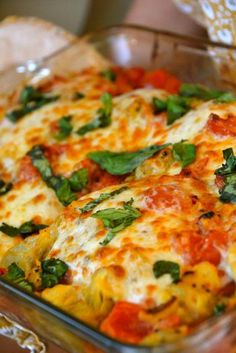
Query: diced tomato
[[3, 271], [172, 85], [203, 245], [167, 197], [135, 76], [124, 324], [222, 127], [161, 79], [27, 171], [50, 84]]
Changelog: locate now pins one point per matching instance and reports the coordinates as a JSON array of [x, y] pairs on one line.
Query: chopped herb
[[40, 162], [48, 280], [78, 95], [14, 272], [65, 128], [104, 196], [79, 179], [117, 219], [158, 105], [199, 91], [62, 186], [26, 229], [109, 75], [16, 275], [52, 272], [228, 172], [230, 166], [29, 94], [226, 97], [4, 187], [219, 309], [120, 163], [207, 215], [176, 106], [9, 230], [55, 267], [163, 267], [184, 153], [30, 100], [103, 118]]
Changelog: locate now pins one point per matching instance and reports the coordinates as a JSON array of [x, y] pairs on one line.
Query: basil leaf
[[116, 219], [219, 309], [40, 162], [163, 267], [16, 275], [102, 120], [228, 193], [14, 272], [79, 179], [61, 185], [184, 153], [159, 105], [48, 280], [226, 97], [104, 196], [26, 229], [62, 188], [55, 267], [9, 230], [65, 128], [4, 187], [120, 163], [26, 285], [29, 94], [228, 172], [199, 91], [78, 95], [52, 272], [176, 108], [30, 227], [109, 75], [31, 99], [230, 165]]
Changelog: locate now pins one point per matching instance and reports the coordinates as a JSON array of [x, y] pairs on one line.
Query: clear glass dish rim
[[193, 40], [66, 318]]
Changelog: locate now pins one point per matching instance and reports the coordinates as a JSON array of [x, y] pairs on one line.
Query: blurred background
[[77, 16]]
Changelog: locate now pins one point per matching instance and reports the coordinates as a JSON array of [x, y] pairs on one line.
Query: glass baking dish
[[192, 60]]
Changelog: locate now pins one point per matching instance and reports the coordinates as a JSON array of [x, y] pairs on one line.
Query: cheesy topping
[[148, 246]]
